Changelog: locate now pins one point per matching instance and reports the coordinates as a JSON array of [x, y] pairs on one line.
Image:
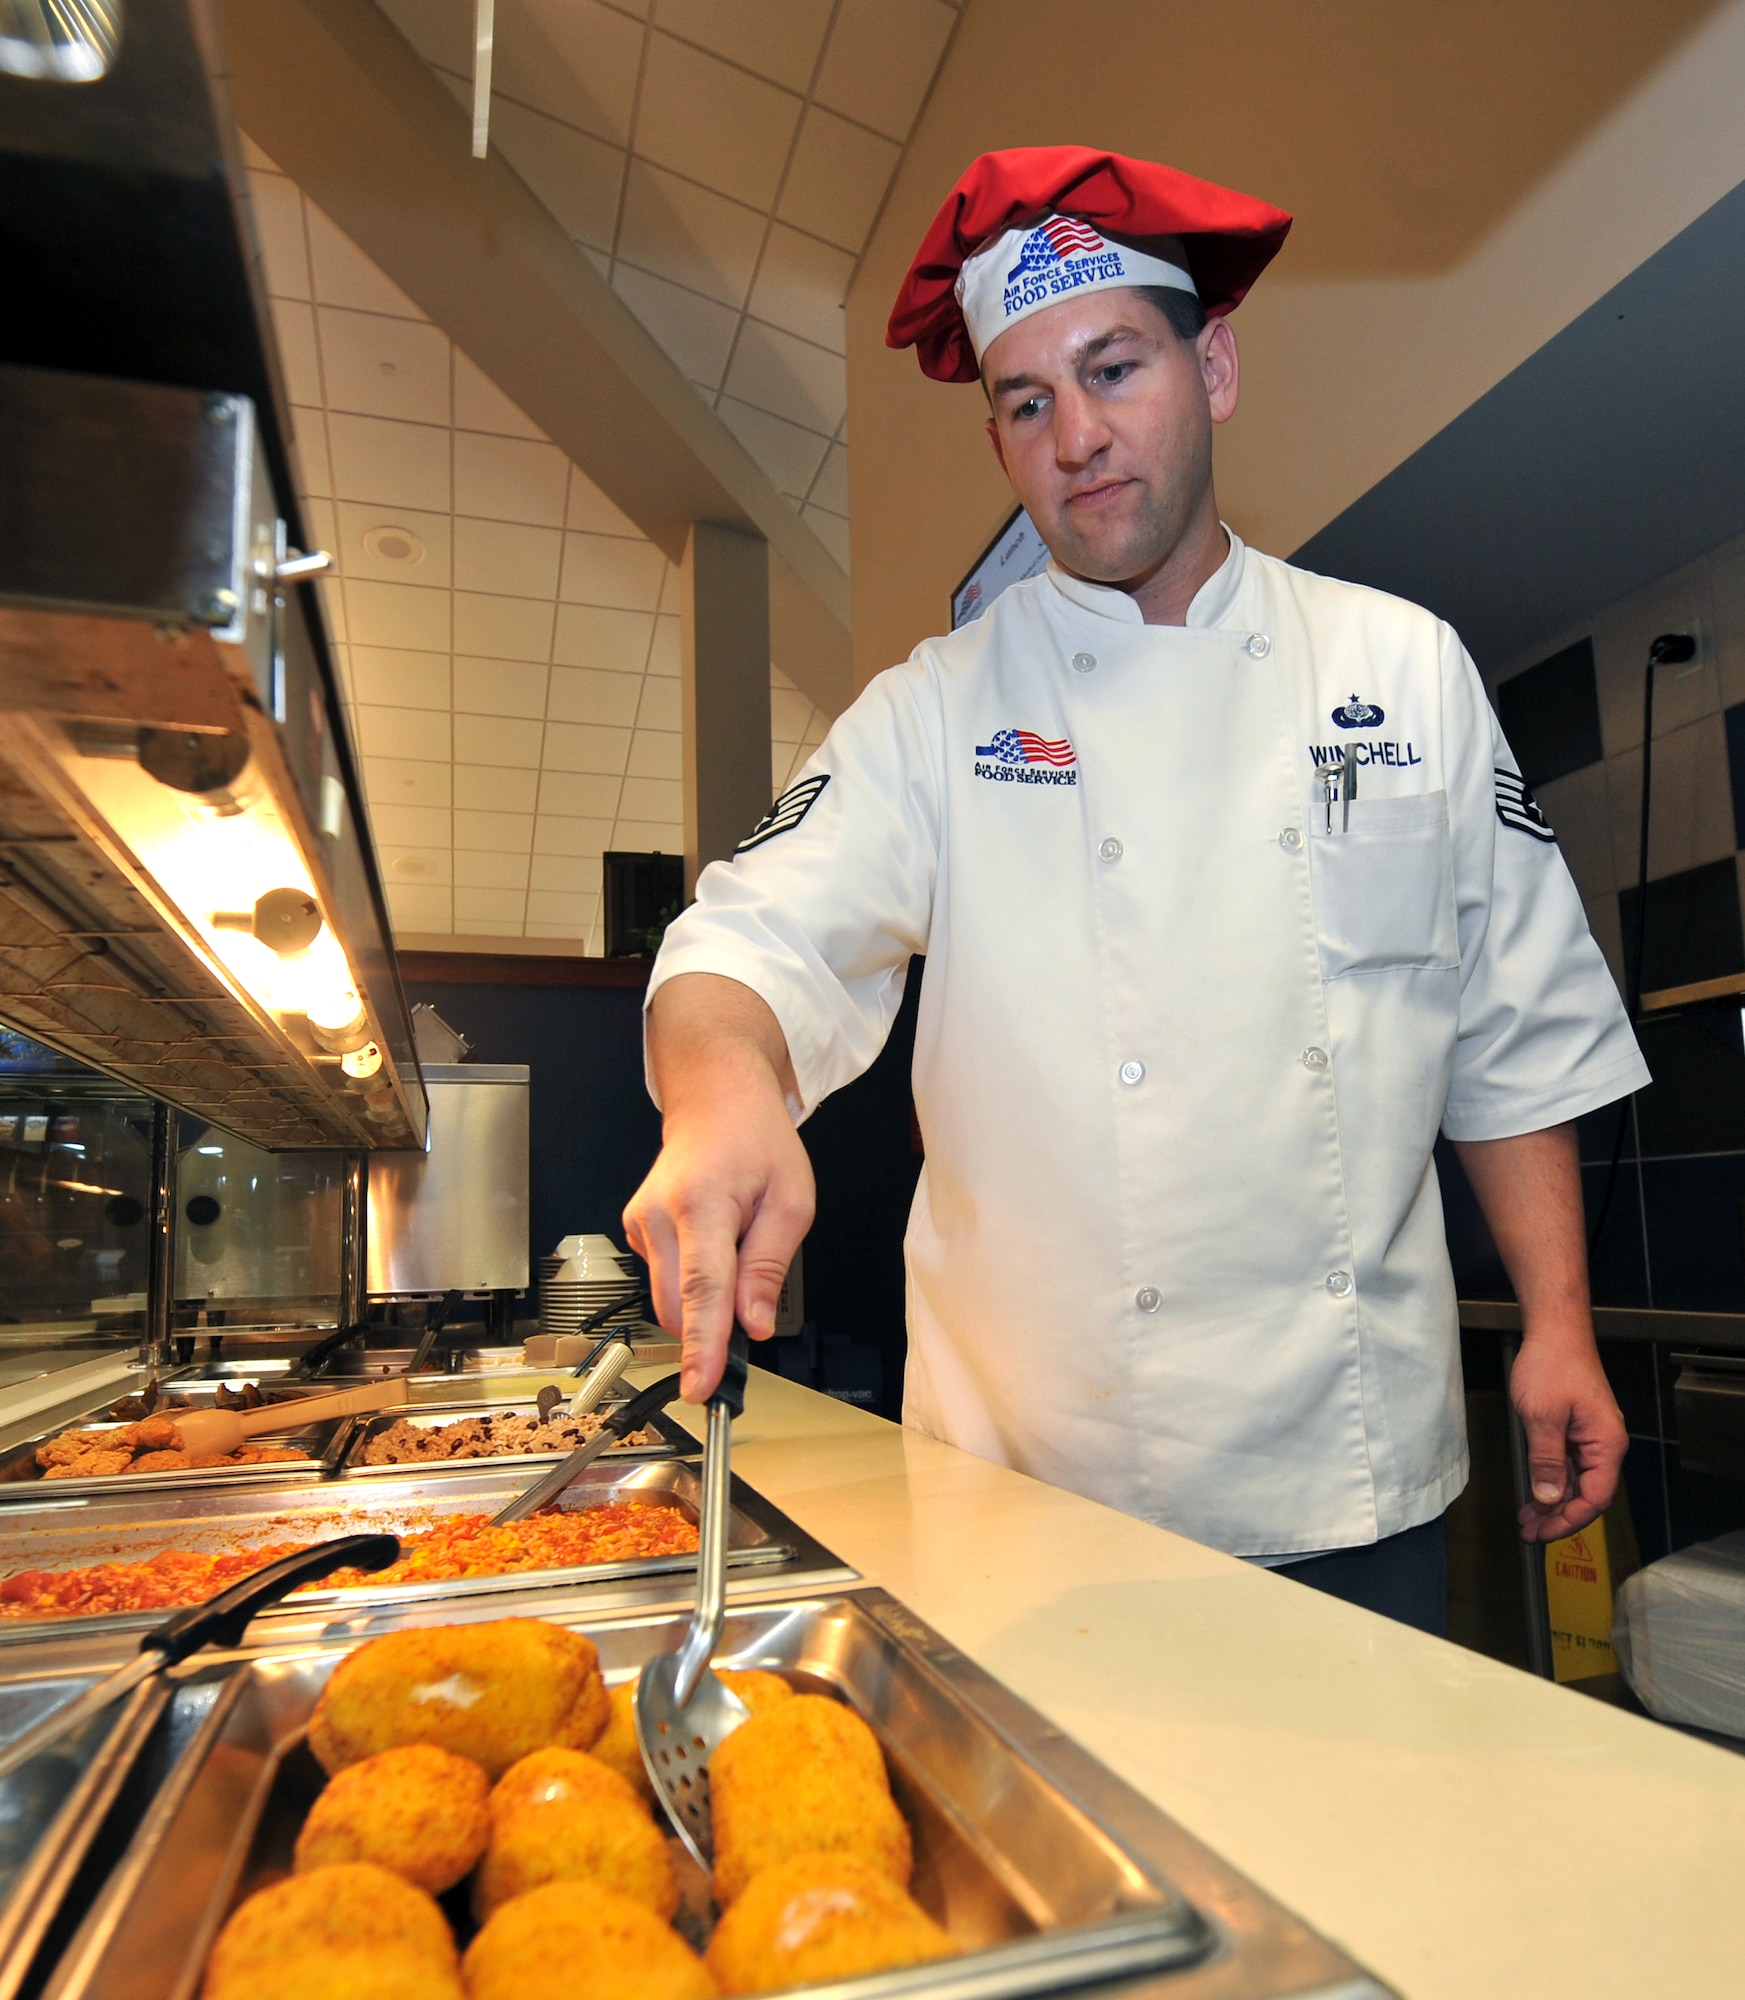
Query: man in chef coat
[[1231, 897]]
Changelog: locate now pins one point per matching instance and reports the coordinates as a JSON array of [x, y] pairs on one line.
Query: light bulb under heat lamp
[[362, 1064]]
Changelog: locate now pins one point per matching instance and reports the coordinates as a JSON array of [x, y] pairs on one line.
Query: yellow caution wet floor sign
[[1578, 1585]]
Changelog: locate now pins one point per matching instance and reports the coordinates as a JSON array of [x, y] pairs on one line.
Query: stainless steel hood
[[188, 895]]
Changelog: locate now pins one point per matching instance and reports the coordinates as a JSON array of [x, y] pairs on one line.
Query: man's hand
[[1530, 1191], [731, 1196], [1575, 1436]]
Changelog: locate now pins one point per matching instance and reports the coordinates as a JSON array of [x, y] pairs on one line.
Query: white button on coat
[[1084, 663], [1111, 850], [1132, 1072], [1339, 1284], [1314, 1058], [1437, 953]]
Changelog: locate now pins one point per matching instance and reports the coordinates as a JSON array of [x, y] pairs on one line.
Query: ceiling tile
[[294, 324], [493, 832], [393, 465], [490, 912], [683, 232], [341, 275], [837, 180], [784, 759], [830, 489], [559, 915], [401, 527], [509, 479], [569, 840], [407, 825], [881, 59], [416, 907], [309, 452], [789, 454], [695, 332], [800, 287], [391, 782], [321, 524], [479, 405], [405, 733], [568, 874], [577, 796], [779, 39], [494, 788], [656, 753], [572, 59], [608, 571], [661, 707], [384, 675], [384, 367], [490, 871], [575, 176], [579, 694], [789, 713], [397, 614], [507, 628], [665, 655], [672, 601], [713, 124], [593, 513], [254, 159], [583, 746], [660, 836], [498, 739], [500, 687], [440, 30], [331, 591], [433, 866], [507, 557], [789, 378], [615, 640], [652, 799], [831, 530], [277, 204]]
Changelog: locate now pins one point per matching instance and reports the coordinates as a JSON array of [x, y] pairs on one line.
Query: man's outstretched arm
[[1530, 1191], [728, 1201]]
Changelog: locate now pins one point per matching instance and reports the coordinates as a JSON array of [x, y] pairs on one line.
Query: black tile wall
[[1551, 715], [1693, 930], [1696, 1103], [1734, 718]]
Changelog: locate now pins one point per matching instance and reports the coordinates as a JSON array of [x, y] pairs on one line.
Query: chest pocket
[[1384, 889]]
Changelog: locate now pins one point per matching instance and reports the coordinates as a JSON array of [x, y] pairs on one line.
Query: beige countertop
[[1460, 1827]]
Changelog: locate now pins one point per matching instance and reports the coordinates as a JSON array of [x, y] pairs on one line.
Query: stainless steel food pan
[[672, 1439], [51, 1810], [1049, 1872], [78, 1530], [22, 1484]]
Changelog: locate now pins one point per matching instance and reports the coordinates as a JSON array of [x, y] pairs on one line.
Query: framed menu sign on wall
[[1016, 552]]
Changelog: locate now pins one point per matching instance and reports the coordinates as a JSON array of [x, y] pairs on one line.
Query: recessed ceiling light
[[393, 545], [413, 864]]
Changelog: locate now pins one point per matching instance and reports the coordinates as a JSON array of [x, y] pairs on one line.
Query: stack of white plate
[[583, 1276]]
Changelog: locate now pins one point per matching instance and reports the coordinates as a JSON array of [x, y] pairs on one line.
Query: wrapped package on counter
[[1680, 1636]]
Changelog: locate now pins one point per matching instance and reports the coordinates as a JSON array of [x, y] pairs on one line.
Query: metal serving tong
[[683, 1713], [220, 1621], [628, 1417]]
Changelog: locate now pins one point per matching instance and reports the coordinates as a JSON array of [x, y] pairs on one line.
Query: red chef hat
[[1228, 239]]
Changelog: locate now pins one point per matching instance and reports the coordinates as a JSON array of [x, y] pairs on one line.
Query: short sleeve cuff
[[1510, 1114]]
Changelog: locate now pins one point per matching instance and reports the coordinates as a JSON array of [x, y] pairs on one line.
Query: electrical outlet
[[1694, 626]]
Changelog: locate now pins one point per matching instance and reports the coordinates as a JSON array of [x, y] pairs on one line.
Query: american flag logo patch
[[787, 812], [1024, 746], [1059, 237], [1517, 807]]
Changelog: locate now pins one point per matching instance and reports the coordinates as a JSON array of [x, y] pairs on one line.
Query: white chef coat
[[1182, 1052]]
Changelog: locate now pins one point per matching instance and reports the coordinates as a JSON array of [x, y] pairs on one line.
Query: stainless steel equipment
[[454, 1218], [764, 1546], [674, 1441], [618, 1426], [1047, 1870], [22, 1484]]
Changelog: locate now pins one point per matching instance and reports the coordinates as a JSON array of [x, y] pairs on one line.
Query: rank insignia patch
[[1517, 807], [787, 812]]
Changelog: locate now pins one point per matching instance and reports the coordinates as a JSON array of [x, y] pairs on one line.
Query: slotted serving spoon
[[683, 1713]]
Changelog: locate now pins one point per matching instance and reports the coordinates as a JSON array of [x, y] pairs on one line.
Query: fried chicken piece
[[805, 1776], [617, 1747], [490, 1692], [161, 1461], [204, 1461], [558, 1816], [417, 1811], [351, 1909], [582, 1938], [73, 1445], [92, 1465], [815, 1918], [157, 1434], [269, 1454]]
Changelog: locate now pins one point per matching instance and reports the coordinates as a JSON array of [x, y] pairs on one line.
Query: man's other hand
[[1575, 1436], [731, 1196]]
